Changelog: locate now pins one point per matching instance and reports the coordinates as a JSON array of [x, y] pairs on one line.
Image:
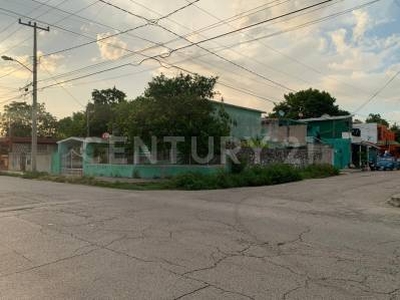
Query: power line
[[308, 23], [241, 15], [245, 91], [249, 26], [225, 34], [87, 75], [174, 50], [246, 34], [112, 68], [219, 56], [139, 51], [31, 11], [13, 98], [40, 21], [61, 86], [186, 46], [124, 56], [377, 92], [164, 65], [148, 22], [259, 39], [91, 21], [225, 22]]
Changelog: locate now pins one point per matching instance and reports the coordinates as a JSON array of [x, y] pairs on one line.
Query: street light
[[34, 110], [4, 57]]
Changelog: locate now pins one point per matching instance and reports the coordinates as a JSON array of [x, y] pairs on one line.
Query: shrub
[[237, 168], [282, 173], [319, 171], [194, 181], [253, 176]]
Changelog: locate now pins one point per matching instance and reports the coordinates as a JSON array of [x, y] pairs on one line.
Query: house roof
[[28, 140], [95, 140], [268, 120], [391, 143], [237, 106], [326, 118], [366, 143]]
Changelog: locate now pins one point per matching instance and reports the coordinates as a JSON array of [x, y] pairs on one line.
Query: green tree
[[16, 120], [309, 103], [108, 96], [72, 126], [97, 118], [176, 106], [396, 129], [101, 111], [376, 118]]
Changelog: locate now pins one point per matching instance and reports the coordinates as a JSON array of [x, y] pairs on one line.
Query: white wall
[[369, 132]]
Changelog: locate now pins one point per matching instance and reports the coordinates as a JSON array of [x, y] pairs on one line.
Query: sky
[[348, 48]]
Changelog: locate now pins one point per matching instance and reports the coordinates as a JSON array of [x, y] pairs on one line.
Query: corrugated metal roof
[[326, 118]]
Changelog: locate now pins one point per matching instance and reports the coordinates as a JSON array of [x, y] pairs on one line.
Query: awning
[[366, 144]]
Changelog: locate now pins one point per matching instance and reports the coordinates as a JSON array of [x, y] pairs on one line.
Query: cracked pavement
[[333, 238]]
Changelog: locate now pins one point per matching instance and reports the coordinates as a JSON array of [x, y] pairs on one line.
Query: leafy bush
[[319, 171], [194, 181], [249, 176], [237, 168], [254, 176]]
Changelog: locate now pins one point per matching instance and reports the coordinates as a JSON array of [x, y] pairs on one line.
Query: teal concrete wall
[[329, 129], [146, 171], [342, 152], [246, 121], [56, 163]]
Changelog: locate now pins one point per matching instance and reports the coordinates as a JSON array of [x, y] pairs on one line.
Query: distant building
[[97, 156], [378, 135], [334, 131], [387, 141], [284, 132], [246, 122], [16, 153], [367, 132]]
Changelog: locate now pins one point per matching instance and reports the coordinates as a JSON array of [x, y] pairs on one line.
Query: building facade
[[16, 153]]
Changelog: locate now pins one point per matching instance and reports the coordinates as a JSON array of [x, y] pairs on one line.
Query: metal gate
[[72, 163]]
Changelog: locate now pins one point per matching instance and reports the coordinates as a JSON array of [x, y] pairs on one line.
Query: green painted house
[[333, 131], [77, 155], [246, 122]]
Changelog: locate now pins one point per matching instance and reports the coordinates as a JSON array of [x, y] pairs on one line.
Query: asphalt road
[[322, 239]]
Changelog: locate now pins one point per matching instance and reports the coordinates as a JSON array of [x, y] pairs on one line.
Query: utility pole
[[34, 93]]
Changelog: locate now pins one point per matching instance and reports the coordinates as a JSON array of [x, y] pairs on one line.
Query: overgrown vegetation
[[248, 177], [319, 171], [92, 181], [252, 176]]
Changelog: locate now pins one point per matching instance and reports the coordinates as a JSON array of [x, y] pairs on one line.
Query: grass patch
[[252, 176], [91, 181], [248, 177]]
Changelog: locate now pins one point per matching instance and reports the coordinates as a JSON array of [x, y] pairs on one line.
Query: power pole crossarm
[[34, 93]]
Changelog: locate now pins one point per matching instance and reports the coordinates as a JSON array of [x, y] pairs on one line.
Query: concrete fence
[[301, 157]]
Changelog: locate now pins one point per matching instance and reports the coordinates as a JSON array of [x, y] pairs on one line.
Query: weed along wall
[[146, 171]]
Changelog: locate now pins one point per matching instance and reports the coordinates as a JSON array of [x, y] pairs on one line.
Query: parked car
[[387, 163]]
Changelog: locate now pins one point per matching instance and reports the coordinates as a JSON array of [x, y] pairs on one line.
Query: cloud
[[50, 63], [111, 48], [339, 40], [362, 21]]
